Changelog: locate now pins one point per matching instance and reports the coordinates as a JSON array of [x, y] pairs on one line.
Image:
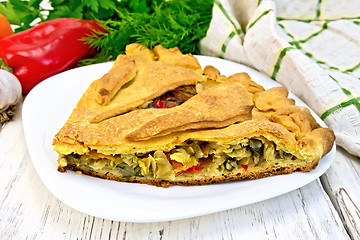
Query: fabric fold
[[311, 48]]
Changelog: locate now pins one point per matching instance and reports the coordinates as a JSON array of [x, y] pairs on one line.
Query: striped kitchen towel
[[312, 47]]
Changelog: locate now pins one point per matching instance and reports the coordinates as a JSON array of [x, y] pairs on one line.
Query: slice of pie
[[158, 118]]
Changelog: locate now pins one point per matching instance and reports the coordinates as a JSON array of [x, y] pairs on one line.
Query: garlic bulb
[[10, 94]]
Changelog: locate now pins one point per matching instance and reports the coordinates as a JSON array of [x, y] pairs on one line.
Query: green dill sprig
[[174, 23]]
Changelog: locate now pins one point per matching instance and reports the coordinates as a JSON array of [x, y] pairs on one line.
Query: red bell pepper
[[47, 49]]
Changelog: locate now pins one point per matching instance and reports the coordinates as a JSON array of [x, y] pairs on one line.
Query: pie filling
[[197, 158], [172, 98]]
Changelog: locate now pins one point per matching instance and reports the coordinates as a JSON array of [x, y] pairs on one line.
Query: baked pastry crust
[[231, 129]]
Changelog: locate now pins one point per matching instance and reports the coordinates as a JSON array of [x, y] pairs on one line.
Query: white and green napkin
[[312, 47]]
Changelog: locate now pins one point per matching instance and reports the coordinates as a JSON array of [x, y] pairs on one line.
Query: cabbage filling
[[190, 157]]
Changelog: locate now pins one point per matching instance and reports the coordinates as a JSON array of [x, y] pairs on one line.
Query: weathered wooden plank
[[29, 211], [342, 183]]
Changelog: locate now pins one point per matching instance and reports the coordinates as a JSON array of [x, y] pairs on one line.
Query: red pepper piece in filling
[[187, 98], [160, 104], [175, 164], [196, 168], [47, 49]]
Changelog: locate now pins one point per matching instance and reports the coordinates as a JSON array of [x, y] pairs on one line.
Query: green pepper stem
[[4, 66]]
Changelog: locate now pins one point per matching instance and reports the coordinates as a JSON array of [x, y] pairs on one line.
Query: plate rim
[[35, 153]]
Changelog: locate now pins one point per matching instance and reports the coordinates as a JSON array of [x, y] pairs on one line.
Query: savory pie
[[158, 118]]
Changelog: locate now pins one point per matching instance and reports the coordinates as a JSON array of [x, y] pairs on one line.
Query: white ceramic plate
[[46, 109]]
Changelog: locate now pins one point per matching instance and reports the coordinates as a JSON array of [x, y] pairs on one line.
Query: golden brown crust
[[272, 99], [122, 72], [152, 80], [109, 137], [225, 111], [245, 80], [163, 77], [175, 57], [296, 119], [211, 72], [208, 109], [136, 49], [324, 138]]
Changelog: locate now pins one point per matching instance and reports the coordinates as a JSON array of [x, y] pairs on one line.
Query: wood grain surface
[[327, 208]]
